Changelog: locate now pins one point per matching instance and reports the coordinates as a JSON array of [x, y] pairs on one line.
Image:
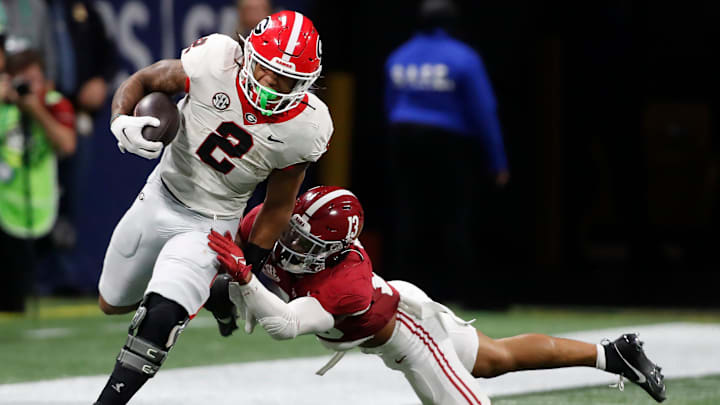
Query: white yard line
[[48, 333], [682, 349]]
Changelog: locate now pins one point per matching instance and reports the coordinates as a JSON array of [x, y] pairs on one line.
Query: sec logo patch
[[221, 101]]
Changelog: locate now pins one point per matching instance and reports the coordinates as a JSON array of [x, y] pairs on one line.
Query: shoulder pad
[[349, 290], [211, 55]]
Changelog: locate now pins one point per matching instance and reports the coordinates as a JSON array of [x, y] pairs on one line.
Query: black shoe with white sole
[[226, 326], [221, 307], [625, 356]]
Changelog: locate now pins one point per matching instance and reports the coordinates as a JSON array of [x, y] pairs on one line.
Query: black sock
[[121, 386]]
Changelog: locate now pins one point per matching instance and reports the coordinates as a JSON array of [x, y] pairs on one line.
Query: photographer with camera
[[36, 127]]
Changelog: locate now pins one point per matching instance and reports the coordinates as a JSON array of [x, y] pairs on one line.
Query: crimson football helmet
[[288, 44], [324, 224]]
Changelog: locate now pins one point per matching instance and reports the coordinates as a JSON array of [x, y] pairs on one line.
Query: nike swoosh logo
[[238, 259], [270, 138], [401, 360], [641, 376], [125, 135]]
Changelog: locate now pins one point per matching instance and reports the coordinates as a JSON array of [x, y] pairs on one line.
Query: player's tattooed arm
[[167, 76], [274, 216]]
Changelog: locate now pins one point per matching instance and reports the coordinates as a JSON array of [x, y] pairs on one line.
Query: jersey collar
[[249, 109]]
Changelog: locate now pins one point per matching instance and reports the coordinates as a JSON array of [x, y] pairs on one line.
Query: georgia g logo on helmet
[[262, 26]]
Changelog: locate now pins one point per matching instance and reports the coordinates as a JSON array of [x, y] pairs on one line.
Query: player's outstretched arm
[[167, 76], [281, 320]]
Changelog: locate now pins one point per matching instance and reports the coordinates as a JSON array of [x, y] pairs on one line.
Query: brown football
[[160, 106]]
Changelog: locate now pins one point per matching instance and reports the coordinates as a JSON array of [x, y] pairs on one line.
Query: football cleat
[[221, 307], [626, 357], [227, 326]]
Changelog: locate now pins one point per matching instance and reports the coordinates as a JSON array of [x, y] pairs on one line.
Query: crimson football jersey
[[361, 301]]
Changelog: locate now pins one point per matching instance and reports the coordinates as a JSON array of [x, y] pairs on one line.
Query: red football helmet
[[325, 222], [288, 44]]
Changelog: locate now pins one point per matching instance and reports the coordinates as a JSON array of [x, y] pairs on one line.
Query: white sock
[[600, 360]]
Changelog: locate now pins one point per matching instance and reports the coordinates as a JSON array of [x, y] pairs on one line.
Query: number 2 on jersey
[[239, 144]]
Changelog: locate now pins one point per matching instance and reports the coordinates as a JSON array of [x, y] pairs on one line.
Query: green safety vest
[[28, 194]]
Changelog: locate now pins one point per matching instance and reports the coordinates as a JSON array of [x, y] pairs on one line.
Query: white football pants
[[160, 246], [434, 349]]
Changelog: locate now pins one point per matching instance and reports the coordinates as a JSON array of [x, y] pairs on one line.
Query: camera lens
[[21, 87]]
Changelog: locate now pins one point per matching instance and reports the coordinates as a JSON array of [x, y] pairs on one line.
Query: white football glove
[[242, 310], [128, 132]]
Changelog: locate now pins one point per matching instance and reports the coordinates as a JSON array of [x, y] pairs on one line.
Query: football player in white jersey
[[247, 115]]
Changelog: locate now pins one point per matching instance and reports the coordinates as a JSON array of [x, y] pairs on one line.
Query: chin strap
[[362, 258], [331, 363]]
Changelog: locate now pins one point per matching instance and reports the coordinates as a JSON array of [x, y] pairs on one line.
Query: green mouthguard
[[265, 96]]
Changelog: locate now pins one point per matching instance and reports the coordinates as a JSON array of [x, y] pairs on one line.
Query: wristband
[[115, 116], [255, 256]]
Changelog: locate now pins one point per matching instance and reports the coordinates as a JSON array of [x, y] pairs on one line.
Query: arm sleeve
[[483, 113], [282, 320]]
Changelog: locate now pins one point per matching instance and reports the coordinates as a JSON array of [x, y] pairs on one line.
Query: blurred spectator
[[3, 25], [85, 54], [250, 13], [444, 136], [85, 65], [36, 126]]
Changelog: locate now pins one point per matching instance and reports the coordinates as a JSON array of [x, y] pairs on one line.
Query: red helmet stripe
[[294, 34], [312, 209]]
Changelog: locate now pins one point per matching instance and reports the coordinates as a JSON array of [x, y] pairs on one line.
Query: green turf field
[[62, 338], [694, 391]]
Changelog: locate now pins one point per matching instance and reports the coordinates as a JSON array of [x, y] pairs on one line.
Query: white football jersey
[[225, 147]]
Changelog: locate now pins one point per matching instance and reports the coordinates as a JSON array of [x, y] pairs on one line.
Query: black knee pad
[[163, 315], [158, 322]]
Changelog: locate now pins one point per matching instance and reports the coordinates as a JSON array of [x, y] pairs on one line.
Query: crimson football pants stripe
[[430, 343]]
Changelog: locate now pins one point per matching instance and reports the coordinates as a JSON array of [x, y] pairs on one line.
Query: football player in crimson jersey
[[247, 115], [326, 286]]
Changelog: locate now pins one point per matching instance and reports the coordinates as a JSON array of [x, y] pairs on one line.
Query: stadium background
[[608, 113]]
